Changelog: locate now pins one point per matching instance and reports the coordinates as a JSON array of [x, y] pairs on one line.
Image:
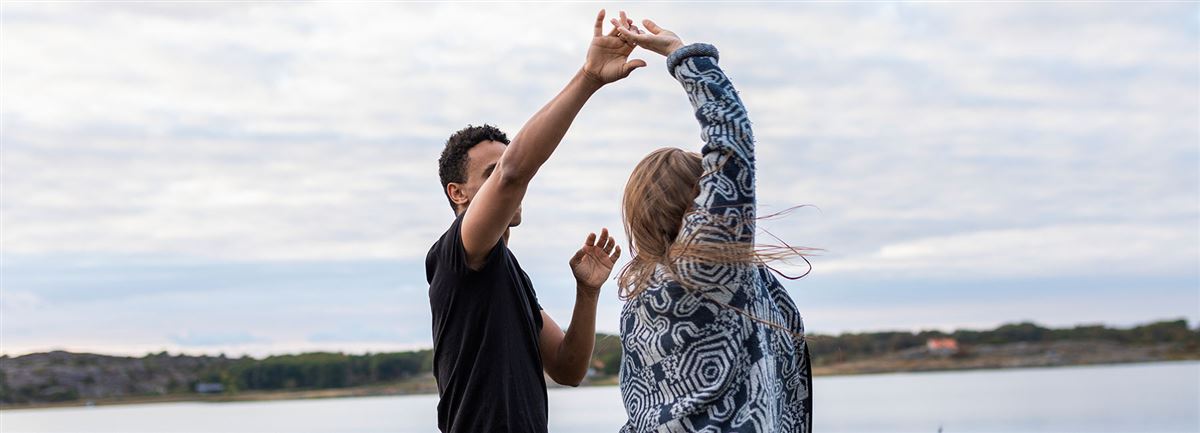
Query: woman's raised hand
[[657, 39]]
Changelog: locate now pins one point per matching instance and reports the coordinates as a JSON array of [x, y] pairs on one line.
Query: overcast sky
[[241, 178]]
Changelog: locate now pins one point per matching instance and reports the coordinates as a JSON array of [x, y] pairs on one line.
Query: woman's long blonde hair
[[659, 195]]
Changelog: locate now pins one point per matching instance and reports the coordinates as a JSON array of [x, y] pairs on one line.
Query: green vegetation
[[846, 347], [606, 356], [319, 370]]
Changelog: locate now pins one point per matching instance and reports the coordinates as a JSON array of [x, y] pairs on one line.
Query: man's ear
[[457, 194]]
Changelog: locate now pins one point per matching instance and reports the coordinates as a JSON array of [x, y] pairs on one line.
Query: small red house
[[943, 346]]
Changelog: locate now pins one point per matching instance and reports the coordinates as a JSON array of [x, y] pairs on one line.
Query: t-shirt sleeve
[[454, 255], [533, 299]]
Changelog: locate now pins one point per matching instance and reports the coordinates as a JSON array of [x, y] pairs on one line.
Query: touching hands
[[593, 263], [658, 39], [607, 56]]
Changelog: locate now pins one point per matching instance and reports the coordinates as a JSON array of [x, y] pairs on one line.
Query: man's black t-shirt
[[485, 340]]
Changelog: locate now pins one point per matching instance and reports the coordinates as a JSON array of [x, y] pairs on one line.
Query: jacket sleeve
[[724, 209], [723, 212]]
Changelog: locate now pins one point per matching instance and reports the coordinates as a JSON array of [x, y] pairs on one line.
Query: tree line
[[335, 370], [850, 346], [318, 370]]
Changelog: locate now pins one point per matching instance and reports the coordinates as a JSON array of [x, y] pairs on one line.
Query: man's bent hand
[[608, 56]]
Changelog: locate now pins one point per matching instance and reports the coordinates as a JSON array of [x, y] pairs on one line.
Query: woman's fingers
[[616, 31], [625, 23], [633, 36], [617, 24], [651, 26]]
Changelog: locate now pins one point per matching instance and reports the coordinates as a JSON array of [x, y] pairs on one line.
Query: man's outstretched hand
[[608, 55], [594, 262]]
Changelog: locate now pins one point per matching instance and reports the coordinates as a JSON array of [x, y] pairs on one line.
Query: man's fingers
[[631, 65], [616, 254], [609, 242], [603, 241], [626, 24], [599, 24], [649, 25], [577, 257], [590, 241]]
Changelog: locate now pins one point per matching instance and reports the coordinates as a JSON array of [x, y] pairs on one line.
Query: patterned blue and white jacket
[[690, 363]]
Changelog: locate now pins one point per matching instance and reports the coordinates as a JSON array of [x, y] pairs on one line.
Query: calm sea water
[[1161, 397]]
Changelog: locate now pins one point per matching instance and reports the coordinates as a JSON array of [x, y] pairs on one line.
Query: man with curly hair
[[491, 339]]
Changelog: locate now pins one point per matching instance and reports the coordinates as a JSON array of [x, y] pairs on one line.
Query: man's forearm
[[537, 140], [575, 351]]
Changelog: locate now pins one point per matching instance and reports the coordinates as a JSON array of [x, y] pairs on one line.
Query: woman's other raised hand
[[655, 38]]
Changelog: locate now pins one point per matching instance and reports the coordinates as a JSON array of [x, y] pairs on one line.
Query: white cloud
[[1065, 250], [1049, 310], [938, 140]]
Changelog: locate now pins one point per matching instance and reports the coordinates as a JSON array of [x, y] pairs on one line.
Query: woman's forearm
[[723, 119], [727, 186]]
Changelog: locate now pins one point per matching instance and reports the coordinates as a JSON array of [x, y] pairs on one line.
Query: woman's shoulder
[[660, 288], [665, 298]]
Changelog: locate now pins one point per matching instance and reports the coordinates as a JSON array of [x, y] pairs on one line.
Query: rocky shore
[[73, 379]]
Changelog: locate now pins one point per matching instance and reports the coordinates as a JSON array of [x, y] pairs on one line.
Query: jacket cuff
[[696, 49]]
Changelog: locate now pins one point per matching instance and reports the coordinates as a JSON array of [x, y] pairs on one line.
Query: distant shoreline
[[65, 379], [425, 386]]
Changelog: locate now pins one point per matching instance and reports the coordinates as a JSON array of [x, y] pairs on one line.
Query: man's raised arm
[[498, 198]]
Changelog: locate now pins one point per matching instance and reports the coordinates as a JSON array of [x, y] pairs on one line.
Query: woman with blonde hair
[[711, 340]]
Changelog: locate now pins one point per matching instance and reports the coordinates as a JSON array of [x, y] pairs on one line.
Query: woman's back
[[690, 361]]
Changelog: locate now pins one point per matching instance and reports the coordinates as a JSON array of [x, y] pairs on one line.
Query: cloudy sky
[[261, 178]]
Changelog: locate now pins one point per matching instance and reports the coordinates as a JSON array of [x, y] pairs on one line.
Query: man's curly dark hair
[[452, 166]]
